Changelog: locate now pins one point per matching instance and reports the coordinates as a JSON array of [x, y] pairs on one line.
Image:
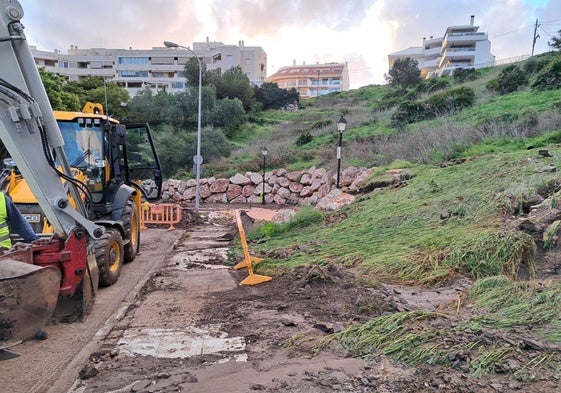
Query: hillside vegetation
[[479, 200]]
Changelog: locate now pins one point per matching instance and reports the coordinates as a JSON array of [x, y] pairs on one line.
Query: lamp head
[[170, 44], [341, 124], [264, 151]]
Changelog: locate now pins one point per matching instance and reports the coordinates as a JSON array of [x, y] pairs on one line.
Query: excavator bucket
[[28, 297]]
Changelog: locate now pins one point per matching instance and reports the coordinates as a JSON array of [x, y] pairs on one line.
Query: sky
[[359, 32]]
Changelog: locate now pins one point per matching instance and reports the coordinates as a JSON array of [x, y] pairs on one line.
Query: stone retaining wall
[[282, 187]]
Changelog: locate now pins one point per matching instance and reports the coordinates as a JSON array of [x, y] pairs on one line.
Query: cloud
[[360, 32]]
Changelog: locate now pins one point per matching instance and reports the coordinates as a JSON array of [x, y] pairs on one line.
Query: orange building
[[313, 80]]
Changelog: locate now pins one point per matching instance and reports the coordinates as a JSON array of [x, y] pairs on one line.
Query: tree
[[60, 98], [229, 113], [192, 72], [233, 84], [404, 73], [555, 42], [177, 147], [96, 89], [273, 97]]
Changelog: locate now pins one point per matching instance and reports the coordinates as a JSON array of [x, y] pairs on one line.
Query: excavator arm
[[28, 127], [32, 278]]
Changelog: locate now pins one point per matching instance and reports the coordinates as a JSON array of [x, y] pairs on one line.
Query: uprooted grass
[[483, 342], [507, 303]]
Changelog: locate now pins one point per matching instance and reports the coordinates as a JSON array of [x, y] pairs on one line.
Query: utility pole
[[536, 36]]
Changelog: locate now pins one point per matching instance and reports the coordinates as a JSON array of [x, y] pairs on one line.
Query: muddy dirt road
[[193, 328], [52, 364]]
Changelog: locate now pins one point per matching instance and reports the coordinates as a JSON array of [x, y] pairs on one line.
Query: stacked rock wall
[[281, 186]]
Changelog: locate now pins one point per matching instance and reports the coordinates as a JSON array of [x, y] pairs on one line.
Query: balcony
[[463, 39], [432, 52]]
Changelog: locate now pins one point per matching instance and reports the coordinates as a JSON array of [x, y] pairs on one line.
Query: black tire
[[131, 224], [109, 256]]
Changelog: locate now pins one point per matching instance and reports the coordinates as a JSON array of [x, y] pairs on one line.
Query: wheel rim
[[114, 257], [134, 229]]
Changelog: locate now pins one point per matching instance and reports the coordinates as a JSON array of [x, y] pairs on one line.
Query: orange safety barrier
[[248, 261], [160, 213]]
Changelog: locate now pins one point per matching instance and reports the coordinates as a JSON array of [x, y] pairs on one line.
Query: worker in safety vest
[[12, 221]]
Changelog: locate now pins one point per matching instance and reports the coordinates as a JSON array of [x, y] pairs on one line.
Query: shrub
[[434, 84], [304, 138], [439, 104], [510, 79], [549, 78], [462, 75], [452, 100], [410, 112], [320, 124]]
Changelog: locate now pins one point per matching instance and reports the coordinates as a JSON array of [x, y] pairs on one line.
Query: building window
[[133, 74], [177, 85], [133, 60], [163, 60], [63, 64], [335, 81]]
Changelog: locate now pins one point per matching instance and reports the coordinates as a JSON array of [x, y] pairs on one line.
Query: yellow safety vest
[[4, 229]]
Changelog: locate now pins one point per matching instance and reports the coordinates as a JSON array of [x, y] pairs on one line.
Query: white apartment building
[[313, 80], [461, 46], [157, 68]]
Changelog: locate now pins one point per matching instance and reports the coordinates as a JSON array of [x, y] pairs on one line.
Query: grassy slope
[[399, 235]]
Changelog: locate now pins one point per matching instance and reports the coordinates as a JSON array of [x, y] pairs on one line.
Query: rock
[[220, 185], [233, 191], [88, 371], [334, 200], [528, 343], [140, 385], [323, 328], [256, 178], [240, 179], [498, 387]]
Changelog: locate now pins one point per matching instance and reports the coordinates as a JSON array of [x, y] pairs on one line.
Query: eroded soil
[[193, 328]]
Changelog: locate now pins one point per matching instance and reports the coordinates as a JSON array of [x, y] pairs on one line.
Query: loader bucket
[[28, 297]]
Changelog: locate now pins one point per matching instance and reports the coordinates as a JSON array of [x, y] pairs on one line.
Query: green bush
[[446, 102], [451, 100], [510, 79], [320, 124], [462, 75], [304, 138], [434, 84], [410, 112], [549, 78]]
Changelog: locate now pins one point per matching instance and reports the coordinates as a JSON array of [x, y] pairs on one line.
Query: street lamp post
[[341, 124], [198, 159], [264, 153]]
